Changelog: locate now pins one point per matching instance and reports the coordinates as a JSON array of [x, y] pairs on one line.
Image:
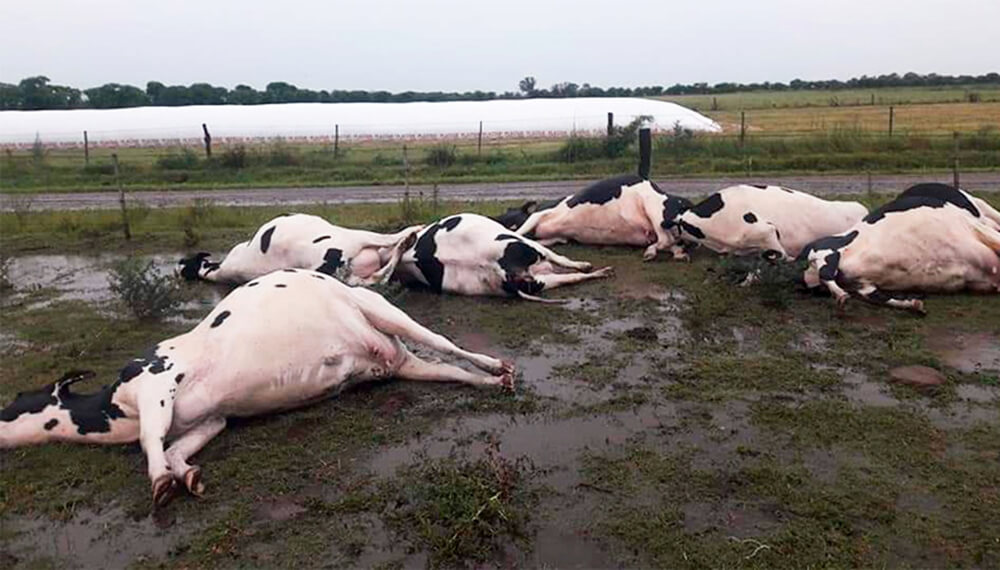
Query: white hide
[[785, 220]]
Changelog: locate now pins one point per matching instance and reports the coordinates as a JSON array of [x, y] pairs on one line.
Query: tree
[[10, 97], [244, 95], [116, 96], [527, 86]]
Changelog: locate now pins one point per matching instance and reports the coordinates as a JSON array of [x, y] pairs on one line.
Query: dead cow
[[468, 254], [624, 210], [283, 341], [303, 241], [773, 220], [932, 238]]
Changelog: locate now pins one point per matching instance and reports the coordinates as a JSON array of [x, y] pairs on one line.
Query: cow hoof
[[507, 379], [408, 241], [649, 256], [192, 480], [918, 307], [605, 272], [164, 489], [586, 267]]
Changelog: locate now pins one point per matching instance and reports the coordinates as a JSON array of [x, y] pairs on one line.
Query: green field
[[666, 418], [789, 135]]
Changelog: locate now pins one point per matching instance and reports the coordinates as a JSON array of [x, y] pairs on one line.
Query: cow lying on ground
[[624, 210], [303, 241], [931, 238], [283, 341], [470, 254], [776, 221]]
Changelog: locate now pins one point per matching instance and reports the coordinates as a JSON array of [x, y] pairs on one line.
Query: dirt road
[[817, 184]]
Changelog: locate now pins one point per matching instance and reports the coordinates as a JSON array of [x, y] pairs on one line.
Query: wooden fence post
[[891, 113], [208, 141], [86, 149], [955, 164], [645, 152], [336, 140], [479, 149], [743, 127], [406, 185], [611, 133], [121, 197]]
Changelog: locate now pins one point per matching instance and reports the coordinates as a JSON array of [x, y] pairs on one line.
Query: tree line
[[38, 92]]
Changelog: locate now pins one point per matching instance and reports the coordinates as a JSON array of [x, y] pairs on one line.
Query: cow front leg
[[874, 295], [188, 444], [561, 260], [414, 368], [553, 280], [389, 319]]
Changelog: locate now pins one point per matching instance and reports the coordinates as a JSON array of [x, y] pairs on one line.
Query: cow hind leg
[[414, 368], [874, 295], [188, 444], [389, 319], [553, 280], [561, 260]]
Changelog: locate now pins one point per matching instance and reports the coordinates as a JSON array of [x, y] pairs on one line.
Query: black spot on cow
[[29, 403], [162, 404], [831, 243], [428, 264], [332, 261], [831, 266], [708, 206], [749, 218], [517, 258], [288, 270], [219, 319], [318, 276], [503, 237], [265, 239], [280, 285], [190, 266], [179, 378], [694, 231], [253, 284], [931, 195], [760, 186], [320, 238], [603, 191], [673, 207], [51, 424]]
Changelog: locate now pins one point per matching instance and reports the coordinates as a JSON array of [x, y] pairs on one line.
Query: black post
[[121, 197], [480, 146], [611, 124], [336, 140], [208, 141], [86, 150], [743, 127], [645, 152], [955, 164], [891, 113]]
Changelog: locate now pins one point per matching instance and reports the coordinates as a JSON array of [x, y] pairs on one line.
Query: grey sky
[[469, 44]]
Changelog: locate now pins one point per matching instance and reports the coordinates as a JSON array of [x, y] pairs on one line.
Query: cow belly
[[926, 273], [592, 230]]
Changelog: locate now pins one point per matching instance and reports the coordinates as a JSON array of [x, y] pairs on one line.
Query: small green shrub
[[184, 159], [772, 281], [140, 286], [578, 148], [279, 154], [442, 155], [234, 157]]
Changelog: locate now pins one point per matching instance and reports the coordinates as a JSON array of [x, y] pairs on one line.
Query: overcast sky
[[466, 45]]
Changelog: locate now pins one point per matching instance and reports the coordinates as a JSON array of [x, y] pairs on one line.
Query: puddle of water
[[967, 352], [108, 539], [730, 518], [858, 389], [810, 341], [977, 394]]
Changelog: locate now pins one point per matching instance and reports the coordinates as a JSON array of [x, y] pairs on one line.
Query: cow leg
[[186, 446], [874, 295], [155, 404], [388, 319], [532, 222], [385, 272], [413, 368], [553, 280], [561, 260], [549, 242]]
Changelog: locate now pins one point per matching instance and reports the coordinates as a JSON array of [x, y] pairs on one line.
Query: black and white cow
[[773, 220], [282, 341], [624, 210], [931, 238], [303, 241], [469, 254]]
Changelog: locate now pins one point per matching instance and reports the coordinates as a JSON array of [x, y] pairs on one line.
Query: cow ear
[[530, 207]]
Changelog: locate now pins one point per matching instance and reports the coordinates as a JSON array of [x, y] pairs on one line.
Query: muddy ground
[[663, 418], [689, 187]]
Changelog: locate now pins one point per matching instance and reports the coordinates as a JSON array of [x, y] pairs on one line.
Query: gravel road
[[818, 184]]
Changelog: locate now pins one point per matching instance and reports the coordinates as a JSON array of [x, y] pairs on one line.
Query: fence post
[[479, 148], [743, 127], [406, 180], [891, 113], [645, 152], [86, 149], [611, 124], [336, 140], [955, 164], [208, 141], [121, 197]]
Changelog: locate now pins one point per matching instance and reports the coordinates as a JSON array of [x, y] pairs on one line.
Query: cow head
[[514, 218], [37, 416], [189, 267]]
